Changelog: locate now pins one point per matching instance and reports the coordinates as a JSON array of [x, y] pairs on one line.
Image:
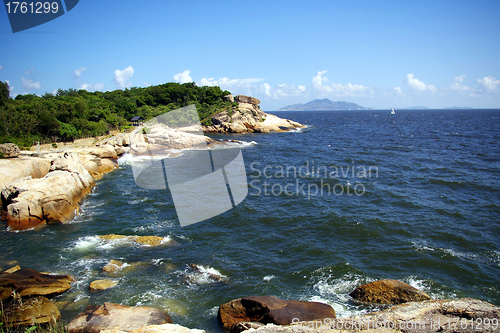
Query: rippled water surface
[[355, 197]]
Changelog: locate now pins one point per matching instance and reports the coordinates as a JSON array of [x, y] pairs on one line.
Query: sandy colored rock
[[110, 316], [13, 169], [112, 266], [53, 199], [13, 269], [149, 240], [37, 310], [28, 283], [270, 309], [388, 292], [99, 285], [111, 237]]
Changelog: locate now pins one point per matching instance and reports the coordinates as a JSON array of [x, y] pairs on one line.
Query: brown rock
[[99, 285], [269, 309], [166, 328], [96, 318], [9, 150], [28, 283], [388, 292], [37, 310]]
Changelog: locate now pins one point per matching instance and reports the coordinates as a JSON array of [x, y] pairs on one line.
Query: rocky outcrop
[[388, 292], [248, 118], [53, 199], [110, 316], [457, 316], [29, 283], [270, 309], [13, 169], [36, 310], [9, 150]]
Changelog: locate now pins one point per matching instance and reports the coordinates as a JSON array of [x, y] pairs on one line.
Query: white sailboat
[[392, 112]]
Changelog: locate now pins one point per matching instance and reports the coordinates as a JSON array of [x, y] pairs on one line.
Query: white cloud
[[92, 87], [338, 89], [29, 71], [30, 85], [146, 84], [398, 90], [489, 83], [77, 74], [11, 88], [457, 85], [1, 67], [122, 78], [267, 89], [183, 77], [318, 79], [416, 84]]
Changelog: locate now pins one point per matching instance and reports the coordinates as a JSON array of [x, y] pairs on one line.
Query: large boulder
[[28, 283], [53, 199], [270, 309], [37, 310], [247, 99], [108, 316], [9, 150], [12, 169], [388, 292]]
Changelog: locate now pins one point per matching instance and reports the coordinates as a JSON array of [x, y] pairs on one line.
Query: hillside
[[323, 104]]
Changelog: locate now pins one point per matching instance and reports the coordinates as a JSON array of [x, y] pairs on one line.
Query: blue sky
[[378, 54]]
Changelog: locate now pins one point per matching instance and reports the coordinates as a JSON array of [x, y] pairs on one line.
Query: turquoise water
[[422, 206]]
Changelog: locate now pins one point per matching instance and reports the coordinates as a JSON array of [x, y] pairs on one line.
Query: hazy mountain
[[323, 104]]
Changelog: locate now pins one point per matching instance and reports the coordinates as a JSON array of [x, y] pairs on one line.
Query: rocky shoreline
[[25, 296], [49, 189]]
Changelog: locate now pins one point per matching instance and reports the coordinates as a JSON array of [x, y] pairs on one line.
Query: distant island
[[460, 108], [416, 108], [323, 105]]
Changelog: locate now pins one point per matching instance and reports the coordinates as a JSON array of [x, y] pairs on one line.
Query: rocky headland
[[247, 117]]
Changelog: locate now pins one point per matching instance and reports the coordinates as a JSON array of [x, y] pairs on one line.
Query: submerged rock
[[388, 292], [96, 318], [113, 266], [270, 309], [99, 285]]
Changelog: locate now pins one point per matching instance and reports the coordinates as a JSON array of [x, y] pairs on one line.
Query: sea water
[[354, 197]]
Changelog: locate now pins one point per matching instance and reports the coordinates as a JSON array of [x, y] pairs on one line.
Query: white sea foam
[[268, 278], [202, 275]]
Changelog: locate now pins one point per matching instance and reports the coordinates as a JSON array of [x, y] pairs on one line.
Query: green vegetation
[[72, 114]]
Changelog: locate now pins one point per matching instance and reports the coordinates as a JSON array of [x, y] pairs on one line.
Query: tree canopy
[[71, 114]]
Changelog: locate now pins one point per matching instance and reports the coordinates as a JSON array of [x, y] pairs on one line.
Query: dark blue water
[[355, 197]]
